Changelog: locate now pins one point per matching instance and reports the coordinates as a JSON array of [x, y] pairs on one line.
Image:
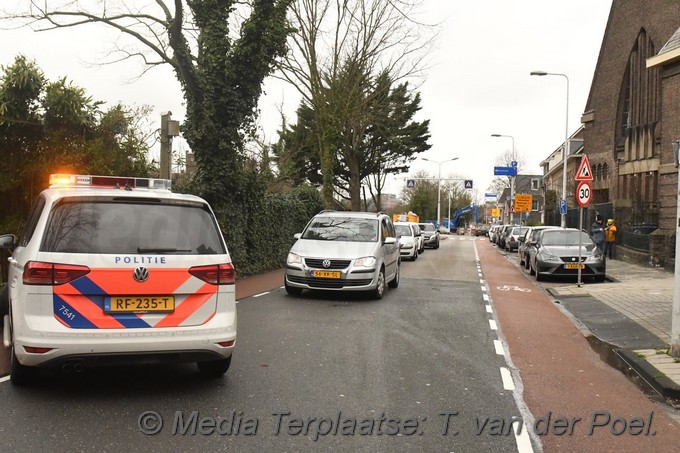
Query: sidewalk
[[632, 313]]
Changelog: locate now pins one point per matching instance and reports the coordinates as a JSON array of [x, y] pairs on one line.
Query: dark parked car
[[431, 235], [526, 242], [482, 230], [505, 230], [556, 253]]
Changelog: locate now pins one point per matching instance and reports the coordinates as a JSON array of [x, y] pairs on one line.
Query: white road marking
[[508, 383], [523, 440], [484, 289], [481, 281], [492, 324], [4, 379], [488, 309], [485, 297], [261, 294], [499, 347]]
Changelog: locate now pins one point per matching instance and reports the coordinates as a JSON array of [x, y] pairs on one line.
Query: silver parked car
[[556, 253], [344, 251], [408, 240]]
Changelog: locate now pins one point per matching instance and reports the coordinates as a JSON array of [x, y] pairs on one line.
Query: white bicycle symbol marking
[[513, 288]]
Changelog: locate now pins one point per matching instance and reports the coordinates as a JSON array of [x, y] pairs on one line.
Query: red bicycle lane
[[579, 403]]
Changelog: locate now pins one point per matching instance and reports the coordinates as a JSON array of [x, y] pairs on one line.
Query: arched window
[[605, 171], [639, 102]]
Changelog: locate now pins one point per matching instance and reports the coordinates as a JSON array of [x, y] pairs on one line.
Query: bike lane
[[578, 402]]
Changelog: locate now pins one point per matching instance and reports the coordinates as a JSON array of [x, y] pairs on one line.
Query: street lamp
[[439, 187], [565, 149], [512, 178]]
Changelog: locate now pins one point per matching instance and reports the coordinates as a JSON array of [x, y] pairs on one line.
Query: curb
[[666, 387]]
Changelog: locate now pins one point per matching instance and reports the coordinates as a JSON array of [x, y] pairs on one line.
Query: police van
[[118, 270]]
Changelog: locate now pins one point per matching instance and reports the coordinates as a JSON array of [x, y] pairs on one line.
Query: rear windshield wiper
[[161, 250]]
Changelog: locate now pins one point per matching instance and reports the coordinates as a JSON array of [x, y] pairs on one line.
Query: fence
[[635, 241]]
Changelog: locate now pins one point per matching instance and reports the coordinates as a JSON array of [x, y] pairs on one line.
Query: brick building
[[631, 118]]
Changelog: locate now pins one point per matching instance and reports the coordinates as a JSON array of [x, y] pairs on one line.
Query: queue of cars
[[354, 251], [550, 251]]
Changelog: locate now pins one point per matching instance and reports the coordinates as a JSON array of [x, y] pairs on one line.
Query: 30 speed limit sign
[[584, 194]]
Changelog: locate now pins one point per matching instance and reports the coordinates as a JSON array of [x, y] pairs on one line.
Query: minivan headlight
[[367, 261], [294, 258]]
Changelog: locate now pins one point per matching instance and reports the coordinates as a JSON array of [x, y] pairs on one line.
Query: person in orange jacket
[[609, 239]]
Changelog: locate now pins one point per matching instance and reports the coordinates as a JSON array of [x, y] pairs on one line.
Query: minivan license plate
[[326, 274], [139, 304]]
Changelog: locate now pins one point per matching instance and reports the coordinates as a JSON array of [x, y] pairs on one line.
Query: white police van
[[117, 270]]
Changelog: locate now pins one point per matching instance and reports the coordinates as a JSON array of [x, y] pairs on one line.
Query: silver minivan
[[344, 251]]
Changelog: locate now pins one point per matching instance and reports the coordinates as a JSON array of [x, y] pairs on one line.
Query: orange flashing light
[[118, 182]]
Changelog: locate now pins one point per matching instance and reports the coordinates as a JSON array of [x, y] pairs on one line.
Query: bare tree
[[373, 36], [505, 159]]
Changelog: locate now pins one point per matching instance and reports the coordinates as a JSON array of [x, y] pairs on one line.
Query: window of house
[[534, 205], [535, 184]]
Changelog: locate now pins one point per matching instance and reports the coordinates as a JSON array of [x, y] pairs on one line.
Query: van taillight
[[217, 274], [39, 273]]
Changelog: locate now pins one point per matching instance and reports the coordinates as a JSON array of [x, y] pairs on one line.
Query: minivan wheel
[[379, 290], [214, 368], [21, 374], [395, 281], [292, 290]]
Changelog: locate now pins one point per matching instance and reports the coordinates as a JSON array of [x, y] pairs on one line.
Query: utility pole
[[169, 129]]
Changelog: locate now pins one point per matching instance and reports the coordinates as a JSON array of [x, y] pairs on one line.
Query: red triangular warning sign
[[584, 173]]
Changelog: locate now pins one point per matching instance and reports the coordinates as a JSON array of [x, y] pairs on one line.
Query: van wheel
[[379, 290], [292, 290], [214, 368], [21, 374], [395, 281], [4, 301]]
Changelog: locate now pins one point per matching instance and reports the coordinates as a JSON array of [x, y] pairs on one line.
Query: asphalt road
[[319, 372]]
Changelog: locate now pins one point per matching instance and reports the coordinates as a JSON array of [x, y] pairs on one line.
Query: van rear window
[[129, 227]]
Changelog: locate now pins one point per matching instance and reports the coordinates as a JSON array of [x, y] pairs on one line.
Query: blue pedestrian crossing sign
[[411, 183], [468, 184]]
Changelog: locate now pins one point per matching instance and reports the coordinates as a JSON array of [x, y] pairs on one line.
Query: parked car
[[430, 234], [482, 230], [420, 236], [556, 253], [512, 239], [344, 251], [408, 241], [505, 230], [493, 233], [526, 242], [113, 269]]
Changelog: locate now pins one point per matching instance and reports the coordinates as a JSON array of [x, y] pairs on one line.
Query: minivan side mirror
[[8, 241]]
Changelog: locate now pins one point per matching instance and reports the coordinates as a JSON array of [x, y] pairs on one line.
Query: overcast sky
[[478, 82]]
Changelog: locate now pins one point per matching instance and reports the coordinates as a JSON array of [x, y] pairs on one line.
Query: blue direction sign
[[505, 171], [563, 206]]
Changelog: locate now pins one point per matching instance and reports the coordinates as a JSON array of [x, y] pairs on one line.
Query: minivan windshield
[[342, 229], [130, 227]]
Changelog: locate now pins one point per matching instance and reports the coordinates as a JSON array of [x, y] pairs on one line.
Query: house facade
[[631, 119], [524, 185]]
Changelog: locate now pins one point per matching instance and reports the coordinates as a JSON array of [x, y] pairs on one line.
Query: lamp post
[[439, 187], [565, 149], [512, 178]]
